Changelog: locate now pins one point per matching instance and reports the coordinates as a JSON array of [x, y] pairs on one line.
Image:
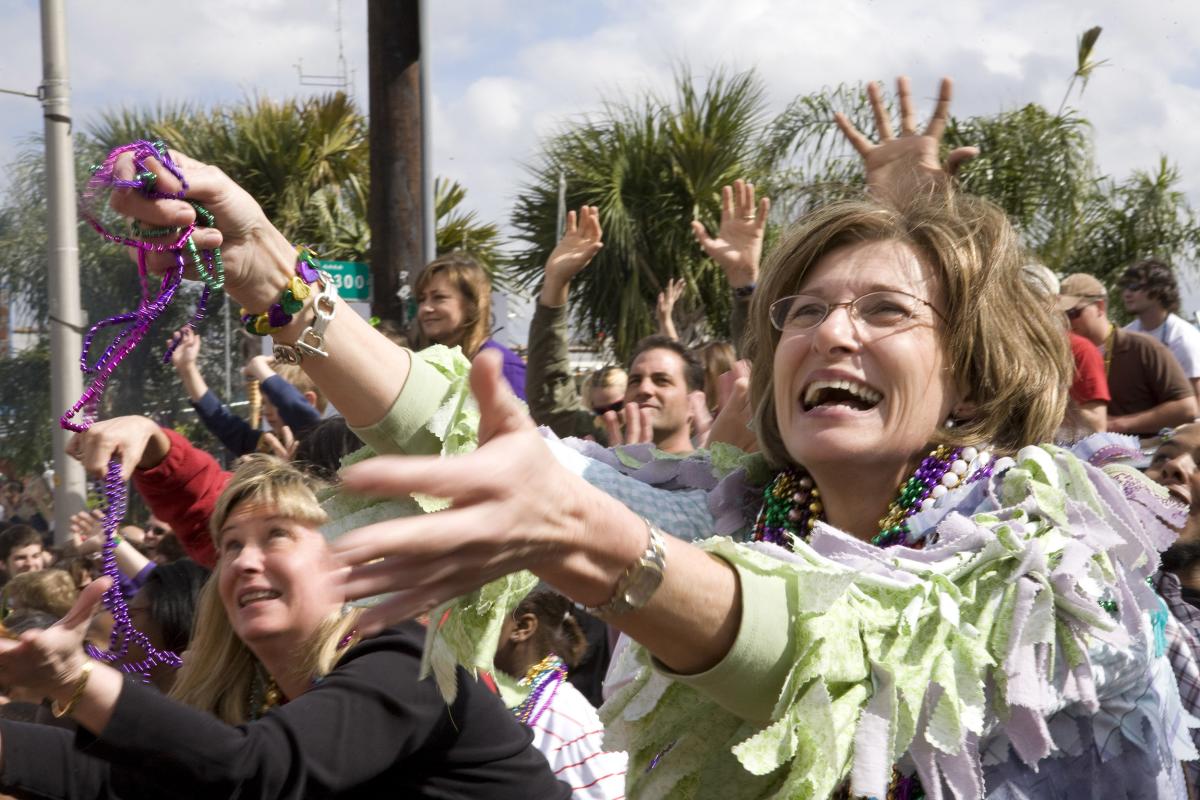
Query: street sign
[[352, 278]]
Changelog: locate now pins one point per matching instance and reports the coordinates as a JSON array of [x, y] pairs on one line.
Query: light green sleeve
[[405, 429], [749, 680]]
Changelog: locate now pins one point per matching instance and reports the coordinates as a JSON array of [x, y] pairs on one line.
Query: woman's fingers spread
[[726, 203], [941, 112], [400, 476], [861, 144], [908, 119], [883, 122]]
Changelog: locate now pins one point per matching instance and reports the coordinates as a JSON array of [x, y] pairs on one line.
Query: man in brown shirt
[[1149, 390]]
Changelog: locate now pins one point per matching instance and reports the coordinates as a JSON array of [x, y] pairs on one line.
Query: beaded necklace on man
[[543, 677], [792, 502]]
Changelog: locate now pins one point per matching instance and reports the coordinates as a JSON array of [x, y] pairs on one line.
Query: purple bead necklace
[[133, 327]]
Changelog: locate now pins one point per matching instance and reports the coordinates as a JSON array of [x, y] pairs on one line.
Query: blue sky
[[507, 72]]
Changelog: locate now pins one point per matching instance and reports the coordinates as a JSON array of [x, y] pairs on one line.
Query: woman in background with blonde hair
[[454, 308], [278, 698]]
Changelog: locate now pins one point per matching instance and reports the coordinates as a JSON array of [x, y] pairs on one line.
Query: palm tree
[[652, 165]]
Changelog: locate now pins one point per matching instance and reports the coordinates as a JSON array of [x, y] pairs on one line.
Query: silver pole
[[66, 316], [428, 215], [560, 226]]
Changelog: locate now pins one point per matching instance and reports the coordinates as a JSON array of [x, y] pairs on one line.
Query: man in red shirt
[[1089, 390]]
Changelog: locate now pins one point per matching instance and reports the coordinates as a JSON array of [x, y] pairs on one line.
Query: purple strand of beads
[[133, 327], [123, 632]]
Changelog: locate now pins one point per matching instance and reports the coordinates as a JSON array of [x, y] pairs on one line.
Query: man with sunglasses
[[1149, 390], [1150, 292]]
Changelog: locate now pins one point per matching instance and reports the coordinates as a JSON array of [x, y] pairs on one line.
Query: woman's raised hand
[[251, 247], [137, 441], [737, 248], [900, 165]]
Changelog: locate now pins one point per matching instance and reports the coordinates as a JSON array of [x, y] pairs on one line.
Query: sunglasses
[[1132, 287], [600, 411]]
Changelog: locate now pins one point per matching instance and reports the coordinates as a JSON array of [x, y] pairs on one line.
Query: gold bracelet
[[80, 685]]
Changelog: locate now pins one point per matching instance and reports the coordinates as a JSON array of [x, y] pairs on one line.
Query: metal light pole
[[66, 316]]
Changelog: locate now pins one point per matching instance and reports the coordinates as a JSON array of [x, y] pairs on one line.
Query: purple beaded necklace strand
[[135, 325]]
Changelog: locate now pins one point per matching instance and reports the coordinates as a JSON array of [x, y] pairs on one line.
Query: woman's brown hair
[[471, 279], [1004, 345]]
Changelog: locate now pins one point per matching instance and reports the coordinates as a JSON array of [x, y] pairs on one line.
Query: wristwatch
[[637, 584]]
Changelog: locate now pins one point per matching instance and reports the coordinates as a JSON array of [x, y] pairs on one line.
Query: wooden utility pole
[[400, 211]]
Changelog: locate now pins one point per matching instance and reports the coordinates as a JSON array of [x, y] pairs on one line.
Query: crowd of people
[[927, 524]]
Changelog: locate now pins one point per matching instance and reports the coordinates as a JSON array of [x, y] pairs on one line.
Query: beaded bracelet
[[279, 315], [312, 339]]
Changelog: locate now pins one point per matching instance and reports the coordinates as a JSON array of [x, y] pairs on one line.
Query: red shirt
[[1091, 382], [182, 491]]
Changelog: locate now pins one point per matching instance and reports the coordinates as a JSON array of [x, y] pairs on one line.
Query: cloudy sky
[[506, 72]]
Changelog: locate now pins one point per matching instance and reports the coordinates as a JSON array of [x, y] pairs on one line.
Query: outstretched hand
[[900, 165], [581, 240], [48, 662], [137, 441], [738, 245], [513, 508]]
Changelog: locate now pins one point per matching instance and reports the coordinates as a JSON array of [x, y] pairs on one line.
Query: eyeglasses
[[1073, 313], [877, 310], [600, 411], [1132, 287]]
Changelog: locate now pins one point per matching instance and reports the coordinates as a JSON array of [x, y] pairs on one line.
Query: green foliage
[[26, 378], [652, 165]]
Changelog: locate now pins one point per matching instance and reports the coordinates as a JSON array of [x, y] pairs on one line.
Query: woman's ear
[[526, 627]]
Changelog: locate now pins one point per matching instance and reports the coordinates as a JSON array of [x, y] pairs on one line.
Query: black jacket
[[368, 729]]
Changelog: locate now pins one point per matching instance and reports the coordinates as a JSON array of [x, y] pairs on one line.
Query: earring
[[950, 423]]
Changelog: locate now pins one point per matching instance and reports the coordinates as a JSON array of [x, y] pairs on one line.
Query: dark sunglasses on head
[[600, 411]]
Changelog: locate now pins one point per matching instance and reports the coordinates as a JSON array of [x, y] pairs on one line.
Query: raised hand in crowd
[[665, 307], [184, 358], [581, 240], [900, 165], [732, 423], [86, 532], [738, 245], [633, 424], [281, 443], [259, 368]]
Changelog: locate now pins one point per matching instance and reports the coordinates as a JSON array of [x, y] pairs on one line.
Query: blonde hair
[[472, 281], [293, 374], [219, 672], [604, 378], [50, 590], [1003, 343]]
